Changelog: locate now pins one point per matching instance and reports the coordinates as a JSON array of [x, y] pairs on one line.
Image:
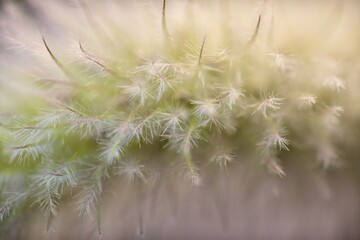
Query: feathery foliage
[[113, 91]]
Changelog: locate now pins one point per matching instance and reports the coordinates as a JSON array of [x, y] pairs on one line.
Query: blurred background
[[245, 205]]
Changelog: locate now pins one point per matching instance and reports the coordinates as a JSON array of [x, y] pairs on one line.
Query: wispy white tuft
[[268, 102], [275, 139], [223, 160], [138, 90], [334, 83], [131, 170], [231, 95], [307, 101], [184, 140]]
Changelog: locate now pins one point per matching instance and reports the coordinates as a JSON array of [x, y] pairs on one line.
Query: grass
[[102, 88]]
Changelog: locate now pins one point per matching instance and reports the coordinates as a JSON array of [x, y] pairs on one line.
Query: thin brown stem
[[92, 58], [255, 34], [75, 111], [57, 62], [23, 146], [201, 50], [164, 24]]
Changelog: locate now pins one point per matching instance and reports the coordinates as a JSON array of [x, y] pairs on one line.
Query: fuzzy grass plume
[[144, 91]]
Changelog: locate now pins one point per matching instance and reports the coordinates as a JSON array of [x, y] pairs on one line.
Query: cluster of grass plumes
[[147, 90]]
